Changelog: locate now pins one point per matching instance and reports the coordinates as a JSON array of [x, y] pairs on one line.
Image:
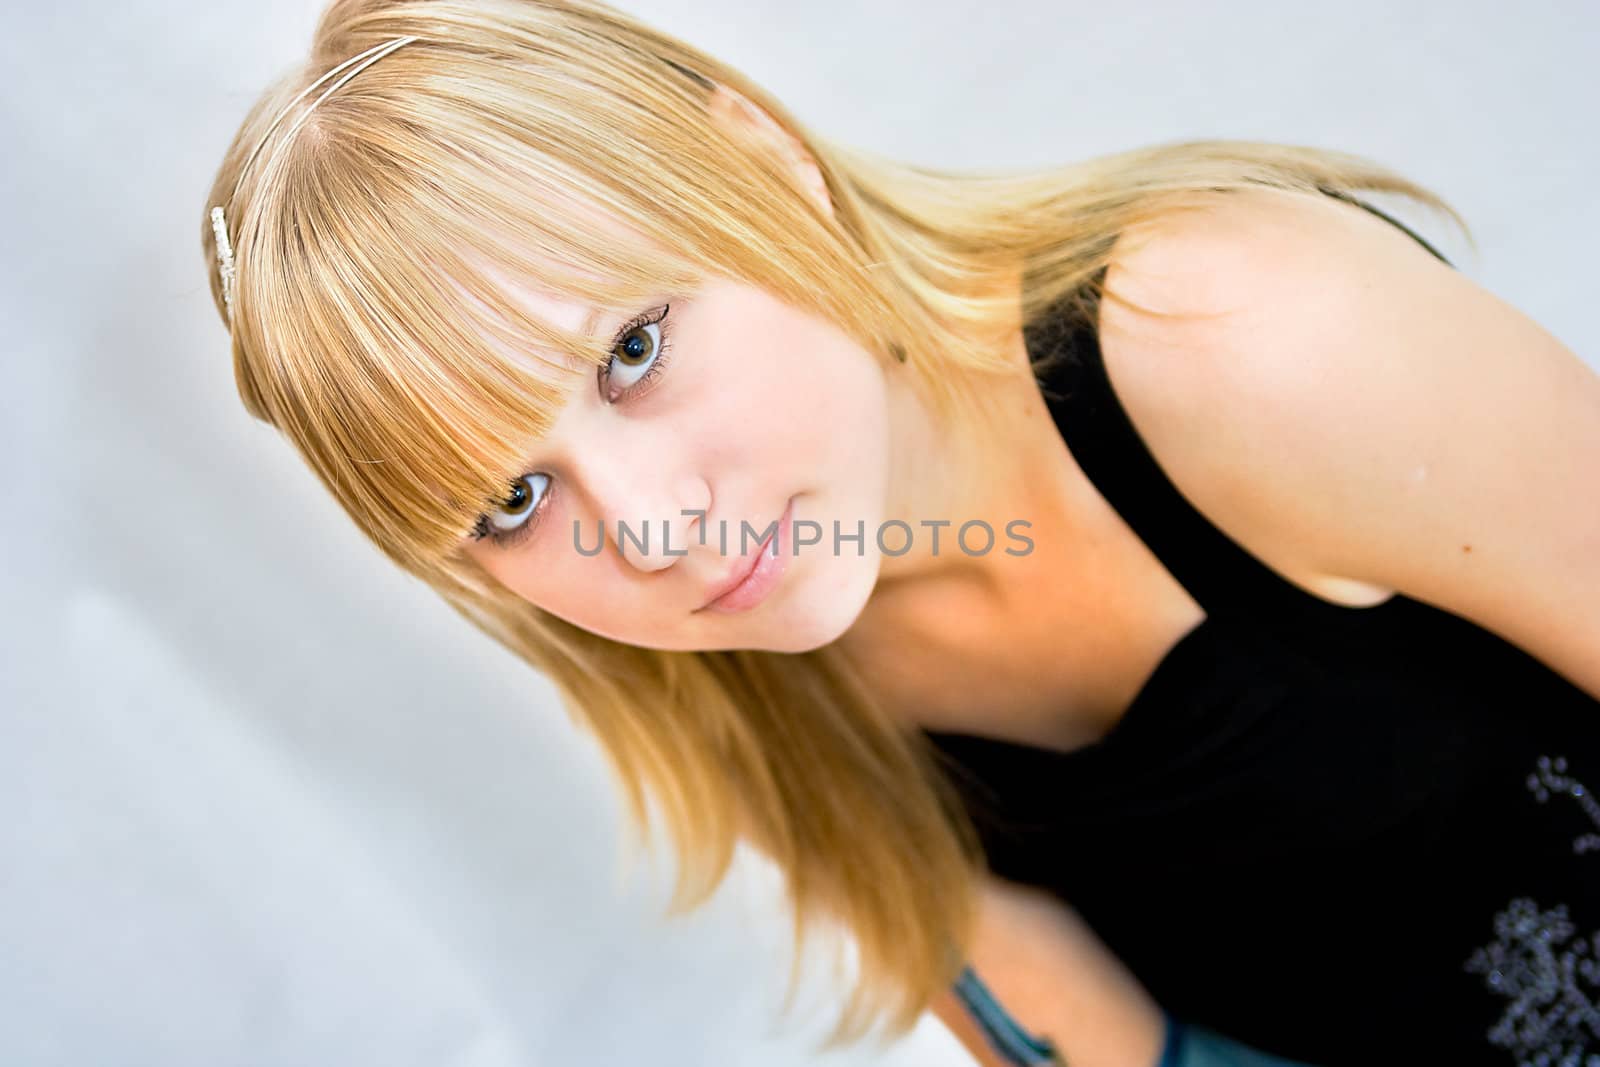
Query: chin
[[822, 606]]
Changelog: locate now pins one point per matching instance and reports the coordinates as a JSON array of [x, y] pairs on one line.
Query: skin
[[728, 427], [761, 405], [756, 406]]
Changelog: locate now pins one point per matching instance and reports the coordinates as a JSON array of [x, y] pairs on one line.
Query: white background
[[266, 801]]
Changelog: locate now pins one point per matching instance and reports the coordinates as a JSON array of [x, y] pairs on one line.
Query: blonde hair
[[372, 326]]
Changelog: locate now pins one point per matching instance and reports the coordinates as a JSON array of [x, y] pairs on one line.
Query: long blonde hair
[[371, 325]]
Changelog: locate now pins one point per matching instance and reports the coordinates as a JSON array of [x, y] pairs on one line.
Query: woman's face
[[735, 408]]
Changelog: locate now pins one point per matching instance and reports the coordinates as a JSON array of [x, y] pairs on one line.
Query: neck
[[1000, 466], [940, 479], [941, 621]]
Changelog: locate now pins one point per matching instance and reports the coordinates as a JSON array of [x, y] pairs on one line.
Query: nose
[[652, 516]]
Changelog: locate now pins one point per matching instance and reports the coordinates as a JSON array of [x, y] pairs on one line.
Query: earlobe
[[738, 111]]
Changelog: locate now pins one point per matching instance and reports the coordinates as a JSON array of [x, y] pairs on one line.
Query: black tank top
[[1345, 835]]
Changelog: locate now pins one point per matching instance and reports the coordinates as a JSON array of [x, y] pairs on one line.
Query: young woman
[[1254, 696]]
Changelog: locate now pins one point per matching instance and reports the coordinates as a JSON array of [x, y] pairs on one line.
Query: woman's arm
[[1337, 398], [1037, 965], [1056, 979]]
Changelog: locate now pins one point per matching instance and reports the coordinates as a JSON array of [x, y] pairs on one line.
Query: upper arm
[[1347, 404], [1052, 975], [950, 1011]]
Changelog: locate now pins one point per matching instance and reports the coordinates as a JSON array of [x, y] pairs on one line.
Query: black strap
[[1342, 195], [1220, 574]]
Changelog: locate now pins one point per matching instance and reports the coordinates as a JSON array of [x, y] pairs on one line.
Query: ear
[[737, 111]]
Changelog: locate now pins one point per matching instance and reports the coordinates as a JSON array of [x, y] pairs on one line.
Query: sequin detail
[[1551, 779], [1547, 970]]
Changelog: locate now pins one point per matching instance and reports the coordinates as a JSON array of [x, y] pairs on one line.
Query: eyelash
[[658, 316]]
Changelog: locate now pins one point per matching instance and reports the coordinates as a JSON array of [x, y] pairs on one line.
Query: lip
[[754, 578]]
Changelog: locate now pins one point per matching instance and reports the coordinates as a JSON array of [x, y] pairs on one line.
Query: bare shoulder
[[1191, 260], [1209, 350]]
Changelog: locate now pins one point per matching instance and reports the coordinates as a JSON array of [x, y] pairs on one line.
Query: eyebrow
[[587, 329], [590, 321], [596, 316]]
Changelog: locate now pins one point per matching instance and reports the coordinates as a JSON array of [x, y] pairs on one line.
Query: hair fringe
[[374, 328]]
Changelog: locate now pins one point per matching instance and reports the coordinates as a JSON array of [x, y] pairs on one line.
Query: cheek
[[808, 396], [564, 583]]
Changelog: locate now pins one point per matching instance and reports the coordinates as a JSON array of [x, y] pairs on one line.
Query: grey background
[[266, 801]]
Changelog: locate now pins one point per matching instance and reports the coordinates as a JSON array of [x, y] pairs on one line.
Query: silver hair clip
[[219, 225], [219, 229]]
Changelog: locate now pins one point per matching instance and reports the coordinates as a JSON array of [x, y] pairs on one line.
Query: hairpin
[[219, 230], [219, 224]]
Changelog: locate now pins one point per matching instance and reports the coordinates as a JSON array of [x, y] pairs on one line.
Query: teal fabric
[[1194, 1046], [1004, 1034], [1184, 1046]]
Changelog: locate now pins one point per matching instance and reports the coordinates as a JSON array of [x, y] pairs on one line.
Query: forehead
[[535, 288], [533, 297]]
